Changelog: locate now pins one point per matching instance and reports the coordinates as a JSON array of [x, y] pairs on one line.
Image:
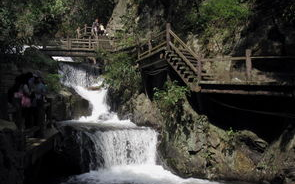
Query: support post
[[168, 38], [248, 63]]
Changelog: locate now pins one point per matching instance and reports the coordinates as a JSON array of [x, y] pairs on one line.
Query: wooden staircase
[[180, 57], [185, 72]]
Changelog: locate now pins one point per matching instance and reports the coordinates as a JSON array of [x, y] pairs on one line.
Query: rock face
[[191, 146], [76, 150], [115, 23], [67, 104]]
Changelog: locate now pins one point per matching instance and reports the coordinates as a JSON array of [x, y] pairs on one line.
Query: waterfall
[[125, 153], [125, 147], [80, 80]]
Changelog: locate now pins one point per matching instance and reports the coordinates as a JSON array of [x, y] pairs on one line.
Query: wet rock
[[76, 149], [7, 125], [69, 105], [252, 141], [145, 112]]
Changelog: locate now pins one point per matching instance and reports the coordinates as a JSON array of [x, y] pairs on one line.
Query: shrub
[[172, 94], [224, 12], [120, 72], [53, 83], [40, 60]]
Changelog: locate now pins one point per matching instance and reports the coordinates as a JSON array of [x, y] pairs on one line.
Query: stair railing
[[178, 41]]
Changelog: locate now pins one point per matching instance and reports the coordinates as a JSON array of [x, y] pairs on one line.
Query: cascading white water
[[126, 147], [80, 81], [127, 153]]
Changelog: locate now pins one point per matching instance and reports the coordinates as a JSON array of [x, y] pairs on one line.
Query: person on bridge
[[78, 30], [102, 30], [95, 27]]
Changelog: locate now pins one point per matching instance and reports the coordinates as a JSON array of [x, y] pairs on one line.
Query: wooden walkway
[[74, 47], [196, 72], [86, 44]]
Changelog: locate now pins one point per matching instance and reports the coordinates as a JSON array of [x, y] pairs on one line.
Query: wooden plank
[[244, 92], [153, 53], [246, 83], [151, 64], [152, 50]]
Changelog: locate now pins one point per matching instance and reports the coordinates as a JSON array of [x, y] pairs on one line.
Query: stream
[[126, 153]]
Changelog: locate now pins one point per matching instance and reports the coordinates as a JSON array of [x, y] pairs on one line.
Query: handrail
[[183, 44], [197, 71], [184, 58]]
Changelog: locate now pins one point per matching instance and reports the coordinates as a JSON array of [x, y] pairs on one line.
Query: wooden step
[[191, 78], [188, 73], [173, 55], [182, 68], [191, 58], [180, 64], [176, 61]]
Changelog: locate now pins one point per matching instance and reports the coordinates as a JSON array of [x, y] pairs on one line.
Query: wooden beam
[[245, 92], [248, 64]]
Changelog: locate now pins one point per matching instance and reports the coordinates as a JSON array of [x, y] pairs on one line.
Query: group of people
[[97, 29], [28, 96]]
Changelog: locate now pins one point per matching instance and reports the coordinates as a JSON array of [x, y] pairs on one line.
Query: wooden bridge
[[78, 47], [166, 49], [84, 45]]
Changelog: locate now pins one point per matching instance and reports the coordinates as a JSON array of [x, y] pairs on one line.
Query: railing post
[[248, 63], [97, 42], [89, 44], [68, 43], [138, 48], [200, 68], [168, 38], [85, 29], [44, 46], [150, 46]]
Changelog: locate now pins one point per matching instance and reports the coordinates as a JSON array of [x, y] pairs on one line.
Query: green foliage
[[172, 94], [22, 20], [53, 83], [224, 12], [289, 14], [120, 72], [101, 54], [40, 60], [230, 133]]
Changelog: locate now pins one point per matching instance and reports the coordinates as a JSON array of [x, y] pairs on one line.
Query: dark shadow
[[265, 116]]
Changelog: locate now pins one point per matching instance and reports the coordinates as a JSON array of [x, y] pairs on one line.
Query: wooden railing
[[89, 44], [177, 44], [167, 40]]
